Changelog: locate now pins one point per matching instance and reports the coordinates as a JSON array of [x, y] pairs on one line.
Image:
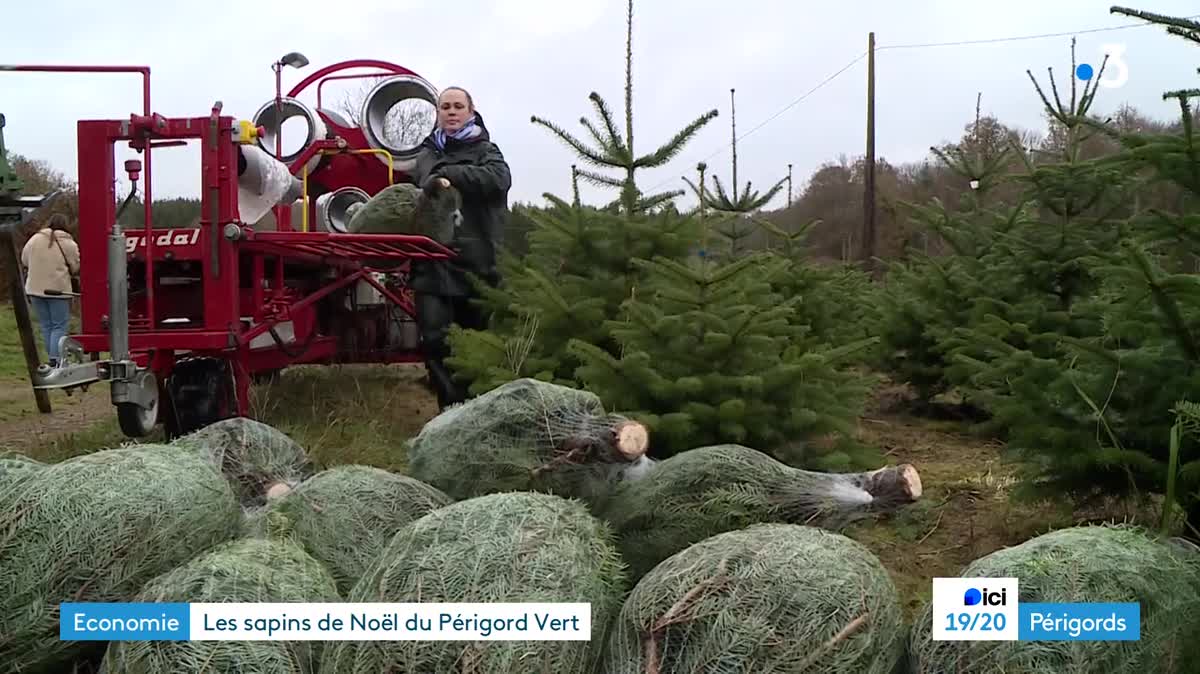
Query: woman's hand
[[435, 183]]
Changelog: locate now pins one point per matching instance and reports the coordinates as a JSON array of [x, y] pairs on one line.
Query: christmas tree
[[612, 151], [732, 210], [581, 261], [927, 298], [1084, 372], [712, 357]]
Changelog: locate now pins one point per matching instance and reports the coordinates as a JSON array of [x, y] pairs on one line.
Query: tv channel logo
[[984, 597], [1114, 67], [975, 609]]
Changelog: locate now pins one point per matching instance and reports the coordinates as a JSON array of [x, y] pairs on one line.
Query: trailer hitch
[[134, 389]]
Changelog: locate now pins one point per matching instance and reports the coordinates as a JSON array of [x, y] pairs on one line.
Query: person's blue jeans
[[54, 315]]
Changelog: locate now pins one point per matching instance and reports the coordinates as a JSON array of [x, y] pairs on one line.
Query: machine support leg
[[20, 304]]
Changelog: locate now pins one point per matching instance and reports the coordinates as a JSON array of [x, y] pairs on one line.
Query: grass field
[[364, 414]]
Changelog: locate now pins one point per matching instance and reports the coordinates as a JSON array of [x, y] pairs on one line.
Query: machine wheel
[[199, 392], [137, 421]]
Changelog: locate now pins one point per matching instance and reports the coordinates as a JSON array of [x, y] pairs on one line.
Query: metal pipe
[[355, 76], [144, 71], [345, 65], [118, 290]]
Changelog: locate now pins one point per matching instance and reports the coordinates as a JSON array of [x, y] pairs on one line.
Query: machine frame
[[187, 332]]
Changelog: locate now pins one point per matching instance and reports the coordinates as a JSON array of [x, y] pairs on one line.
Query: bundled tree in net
[[709, 357], [346, 515], [256, 458], [709, 490], [96, 528], [527, 435], [516, 547], [767, 598], [240, 571], [1092, 564]]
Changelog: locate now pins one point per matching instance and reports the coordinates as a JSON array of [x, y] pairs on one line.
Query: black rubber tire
[[199, 392]]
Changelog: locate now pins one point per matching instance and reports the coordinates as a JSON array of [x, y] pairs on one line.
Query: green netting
[[1084, 564], [771, 598], [709, 490], [95, 528], [345, 516], [404, 209], [237, 572], [526, 435], [252, 455], [15, 468], [514, 547]]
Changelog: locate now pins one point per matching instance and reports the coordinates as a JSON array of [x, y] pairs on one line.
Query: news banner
[[325, 622], [964, 609], [989, 609]]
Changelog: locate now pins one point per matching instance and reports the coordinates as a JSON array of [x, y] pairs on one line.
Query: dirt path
[[23, 427], [966, 511]]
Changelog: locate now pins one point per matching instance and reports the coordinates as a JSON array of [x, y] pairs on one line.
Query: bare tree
[[406, 124]]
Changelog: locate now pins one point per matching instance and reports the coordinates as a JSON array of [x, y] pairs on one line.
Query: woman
[[51, 258], [459, 153]]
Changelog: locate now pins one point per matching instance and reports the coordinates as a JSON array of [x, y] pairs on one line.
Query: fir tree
[[927, 298], [1084, 374], [580, 268], [710, 358], [612, 151], [733, 209], [581, 261]]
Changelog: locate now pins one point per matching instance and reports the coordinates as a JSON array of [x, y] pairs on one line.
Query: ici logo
[[974, 597]]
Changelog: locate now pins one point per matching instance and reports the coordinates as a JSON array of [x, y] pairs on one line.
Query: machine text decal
[[171, 237]]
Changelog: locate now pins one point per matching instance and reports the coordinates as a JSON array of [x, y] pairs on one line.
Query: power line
[[1017, 38], [770, 119], [1013, 38]]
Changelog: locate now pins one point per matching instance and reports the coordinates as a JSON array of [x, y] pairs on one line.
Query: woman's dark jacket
[[477, 169]]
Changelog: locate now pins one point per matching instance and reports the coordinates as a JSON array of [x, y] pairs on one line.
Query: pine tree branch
[[605, 144], [695, 190], [1167, 304], [610, 125], [1161, 19], [600, 179], [647, 203], [584, 151], [674, 146]]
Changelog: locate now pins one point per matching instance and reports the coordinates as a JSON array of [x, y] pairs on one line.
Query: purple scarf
[[469, 131]]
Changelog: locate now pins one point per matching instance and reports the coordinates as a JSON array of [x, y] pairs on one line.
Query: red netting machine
[[189, 316]]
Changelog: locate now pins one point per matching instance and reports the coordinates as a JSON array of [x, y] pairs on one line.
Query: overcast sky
[[523, 57]]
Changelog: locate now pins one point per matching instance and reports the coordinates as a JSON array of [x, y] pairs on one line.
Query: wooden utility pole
[[868, 235], [789, 185], [10, 260]]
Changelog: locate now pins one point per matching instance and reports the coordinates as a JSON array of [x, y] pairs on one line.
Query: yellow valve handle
[[245, 132]]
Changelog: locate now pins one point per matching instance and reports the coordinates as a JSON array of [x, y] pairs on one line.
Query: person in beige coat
[[51, 258]]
